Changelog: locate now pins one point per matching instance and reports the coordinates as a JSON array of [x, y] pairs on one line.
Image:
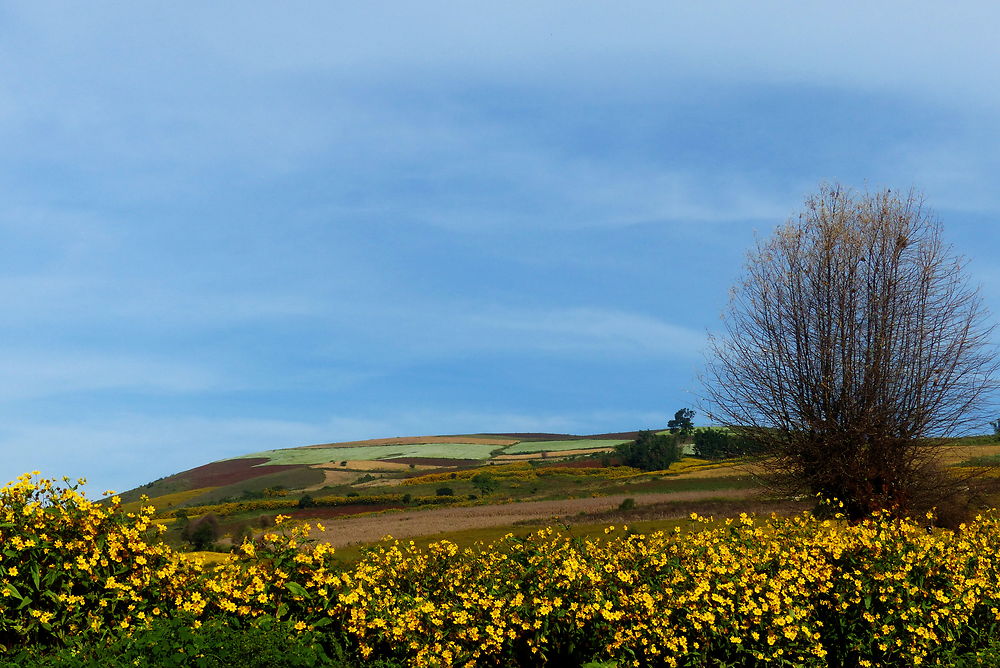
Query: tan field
[[436, 520], [333, 477], [959, 453]]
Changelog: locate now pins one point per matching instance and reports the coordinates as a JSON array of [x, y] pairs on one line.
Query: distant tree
[[306, 501], [651, 451], [681, 424], [485, 483], [202, 532], [241, 533], [444, 491], [853, 346], [720, 444], [996, 427]]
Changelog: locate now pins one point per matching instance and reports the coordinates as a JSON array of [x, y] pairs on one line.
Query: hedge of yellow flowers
[[798, 591]]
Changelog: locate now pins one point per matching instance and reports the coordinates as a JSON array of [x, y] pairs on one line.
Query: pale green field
[[554, 446], [310, 456]]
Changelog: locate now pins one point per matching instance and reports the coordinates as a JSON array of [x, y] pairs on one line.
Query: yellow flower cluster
[[796, 591], [71, 566]]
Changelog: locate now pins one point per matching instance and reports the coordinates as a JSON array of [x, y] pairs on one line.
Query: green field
[[526, 447], [310, 456]]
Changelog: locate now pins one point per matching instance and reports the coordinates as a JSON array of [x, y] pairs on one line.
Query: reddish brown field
[[618, 435], [539, 436], [572, 464], [218, 474]]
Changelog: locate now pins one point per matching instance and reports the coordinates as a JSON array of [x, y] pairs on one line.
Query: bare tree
[[853, 345]]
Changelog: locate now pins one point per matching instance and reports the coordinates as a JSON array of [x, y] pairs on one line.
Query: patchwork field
[[336, 467], [425, 486]]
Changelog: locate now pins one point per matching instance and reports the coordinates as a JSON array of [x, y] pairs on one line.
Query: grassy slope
[[531, 483]]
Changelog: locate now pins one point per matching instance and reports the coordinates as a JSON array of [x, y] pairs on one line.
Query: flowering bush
[[72, 566], [801, 591]]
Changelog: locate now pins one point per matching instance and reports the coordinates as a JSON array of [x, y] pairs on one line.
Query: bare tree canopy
[[852, 345]]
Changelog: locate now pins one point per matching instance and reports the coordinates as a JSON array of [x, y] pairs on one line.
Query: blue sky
[[228, 227]]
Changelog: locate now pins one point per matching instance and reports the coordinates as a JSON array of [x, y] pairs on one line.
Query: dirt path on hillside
[[436, 520]]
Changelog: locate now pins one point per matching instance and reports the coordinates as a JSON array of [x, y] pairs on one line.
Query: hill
[[331, 468], [464, 483]]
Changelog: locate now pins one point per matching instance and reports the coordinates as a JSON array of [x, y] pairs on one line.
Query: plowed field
[[427, 522]]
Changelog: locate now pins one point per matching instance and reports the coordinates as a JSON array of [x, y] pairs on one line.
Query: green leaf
[[297, 589], [282, 611], [34, 575], [12, 591]]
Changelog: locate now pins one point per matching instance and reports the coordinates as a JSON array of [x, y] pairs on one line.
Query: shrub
[[202, 532], [71, 567], [306, 501], [651, 451], [485, 483], [627, 504], [241, 533], [444, 491], [720, 444]]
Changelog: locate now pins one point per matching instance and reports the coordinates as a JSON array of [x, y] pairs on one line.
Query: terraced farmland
[[337, 468]]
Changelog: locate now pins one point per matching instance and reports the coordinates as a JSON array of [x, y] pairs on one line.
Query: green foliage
[[681, 424], [306, 501], [627, 504], [527, 447], [218, 643], [651, 451], [444, 491], [722, 444], [388, 452], [485, 483]]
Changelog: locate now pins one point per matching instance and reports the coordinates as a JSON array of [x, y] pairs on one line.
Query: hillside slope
[[339, 468]]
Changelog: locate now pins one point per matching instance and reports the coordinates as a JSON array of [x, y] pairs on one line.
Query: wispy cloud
[[247, 226], [31, 374]]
